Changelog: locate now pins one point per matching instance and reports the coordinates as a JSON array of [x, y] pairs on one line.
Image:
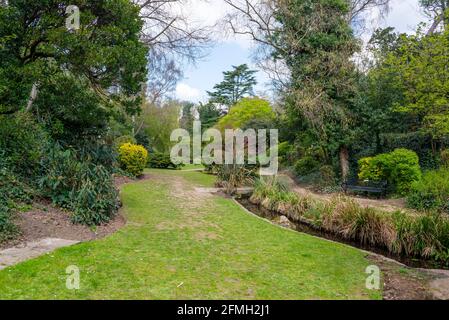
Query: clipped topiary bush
[[133, 158], [400, 168], [161, 161]]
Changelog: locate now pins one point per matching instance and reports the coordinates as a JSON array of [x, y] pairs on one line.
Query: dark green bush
[[400, 168], [22, 142], [82, 187], [431, 192], [12, 192], [161, 161], [306, 165]]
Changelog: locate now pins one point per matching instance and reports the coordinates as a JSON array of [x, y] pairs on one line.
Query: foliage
[[161, 161], [209, 114], [306, 165], [118, 142], [22, 142], [187, 118], [322, 84], [246, 110], [419, 65], [98, 55], [233, 176], [159, 121], [133, 158], [237, 83], [82, 187], [431, 192], [12, 192], [400, 168]]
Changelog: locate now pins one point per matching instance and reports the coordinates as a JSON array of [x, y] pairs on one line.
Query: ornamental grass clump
[[275, 196], [345, 217]]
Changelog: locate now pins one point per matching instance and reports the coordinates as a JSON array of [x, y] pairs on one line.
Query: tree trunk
[[344, 162]]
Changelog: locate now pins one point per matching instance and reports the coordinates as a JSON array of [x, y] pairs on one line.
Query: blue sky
[[404, 15]]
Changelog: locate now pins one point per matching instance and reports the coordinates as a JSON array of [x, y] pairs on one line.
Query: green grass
[[192, 167], [182, 245]]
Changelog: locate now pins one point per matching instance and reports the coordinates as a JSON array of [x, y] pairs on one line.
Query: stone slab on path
[[12, 256]]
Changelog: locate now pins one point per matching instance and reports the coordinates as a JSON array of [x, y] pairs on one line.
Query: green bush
[[12, 192], [161, 161], [306, 165], [118, 142], [400, 168], [22, 141], [133, 158], [84, 188], [445, 157], [431, 192]]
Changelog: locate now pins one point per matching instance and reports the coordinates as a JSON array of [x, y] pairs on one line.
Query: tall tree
[[188, 116], [104, 52], [236, 84]]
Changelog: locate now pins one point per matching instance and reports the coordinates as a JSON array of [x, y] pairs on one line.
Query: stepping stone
[[12, 256]]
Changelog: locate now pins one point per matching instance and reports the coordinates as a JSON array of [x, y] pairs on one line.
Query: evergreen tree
[[237, 84]]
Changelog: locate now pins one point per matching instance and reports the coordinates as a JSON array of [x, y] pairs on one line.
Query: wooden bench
[[372, 187]]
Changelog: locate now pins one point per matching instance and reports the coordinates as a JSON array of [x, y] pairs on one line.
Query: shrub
[[234, 176], [133, 158], [445, 157], [431, 192], [12, 191], [306, 165], [22, 142], [400, 168], [120, 141], [161, 161], [95, 201], [366, 225], [84, 188]]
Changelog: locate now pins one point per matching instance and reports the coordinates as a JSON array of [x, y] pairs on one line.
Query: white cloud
[[187, 93]]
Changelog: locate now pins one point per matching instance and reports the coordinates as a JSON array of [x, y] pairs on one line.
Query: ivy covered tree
[[236, 84], [316, 43]]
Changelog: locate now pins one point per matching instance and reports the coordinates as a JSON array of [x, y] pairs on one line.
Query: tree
[[187, 117], [247, 110], [209, 114], [104, 52], [420, 66], [437, 11], [237, 83], [159, 122]]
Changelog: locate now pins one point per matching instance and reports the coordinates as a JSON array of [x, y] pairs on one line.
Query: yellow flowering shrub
[[133, 158]]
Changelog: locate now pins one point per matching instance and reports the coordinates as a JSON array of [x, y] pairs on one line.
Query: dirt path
[[383, 204]]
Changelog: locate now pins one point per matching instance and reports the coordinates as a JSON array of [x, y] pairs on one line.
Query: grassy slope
[[179, 247]]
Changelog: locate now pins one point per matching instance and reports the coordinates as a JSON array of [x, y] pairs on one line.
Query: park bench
[[371, 187]]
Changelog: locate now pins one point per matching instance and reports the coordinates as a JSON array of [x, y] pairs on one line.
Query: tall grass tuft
[[351, 221]]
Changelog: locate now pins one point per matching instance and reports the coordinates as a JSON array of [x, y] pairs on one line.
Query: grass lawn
[[184, 244]]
